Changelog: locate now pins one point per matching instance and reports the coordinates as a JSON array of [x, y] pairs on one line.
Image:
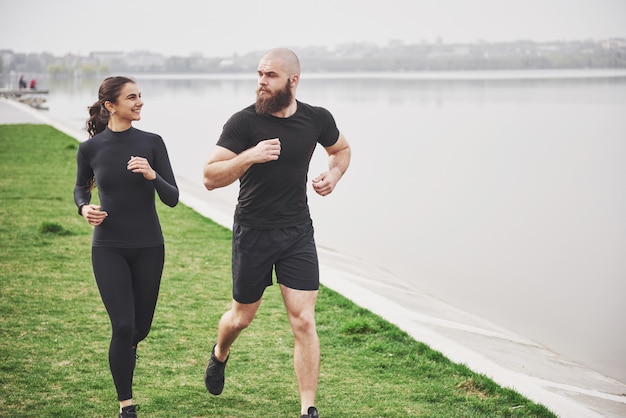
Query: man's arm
[[338, 162], [224, 167]]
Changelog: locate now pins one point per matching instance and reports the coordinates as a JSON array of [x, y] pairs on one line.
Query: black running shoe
[[214, 374], [128, 412], [311, 413]]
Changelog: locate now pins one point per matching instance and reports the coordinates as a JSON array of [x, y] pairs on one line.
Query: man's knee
[[303, 323], [239, 318], [242, 322]]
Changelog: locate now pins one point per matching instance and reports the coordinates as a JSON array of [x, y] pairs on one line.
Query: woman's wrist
[[80, 208]]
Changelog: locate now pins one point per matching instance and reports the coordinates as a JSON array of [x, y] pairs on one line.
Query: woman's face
[[129, 103]]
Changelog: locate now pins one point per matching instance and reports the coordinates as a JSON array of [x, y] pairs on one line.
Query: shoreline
[[512, 361], [426, 75]]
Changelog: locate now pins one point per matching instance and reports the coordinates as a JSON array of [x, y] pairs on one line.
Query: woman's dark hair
[[98, 114], [109, 92]]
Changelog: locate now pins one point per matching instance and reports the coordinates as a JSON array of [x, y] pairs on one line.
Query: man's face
[[272, 101], [274, 92]]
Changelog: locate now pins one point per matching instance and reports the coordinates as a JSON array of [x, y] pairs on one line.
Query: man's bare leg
[[232, 322], [300, 305]]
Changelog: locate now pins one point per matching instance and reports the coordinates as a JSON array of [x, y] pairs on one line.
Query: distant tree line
[[360, 57], [486, 56]]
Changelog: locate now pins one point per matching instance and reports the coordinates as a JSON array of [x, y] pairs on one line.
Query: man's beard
[[274, 103]]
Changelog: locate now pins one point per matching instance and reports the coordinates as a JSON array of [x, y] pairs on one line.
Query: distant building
[[6, 58], [614, 44], [145, 61], [107, 57]]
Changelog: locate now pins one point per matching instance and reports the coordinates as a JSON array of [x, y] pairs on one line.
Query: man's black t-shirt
[[127, 197], [273, 194]]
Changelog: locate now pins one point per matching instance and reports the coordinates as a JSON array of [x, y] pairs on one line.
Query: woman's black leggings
[[128, 280]]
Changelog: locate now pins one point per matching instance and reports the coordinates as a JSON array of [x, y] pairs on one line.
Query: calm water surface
[[503, 196]]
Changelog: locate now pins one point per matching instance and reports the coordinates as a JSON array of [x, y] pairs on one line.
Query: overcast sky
[[221, 28]]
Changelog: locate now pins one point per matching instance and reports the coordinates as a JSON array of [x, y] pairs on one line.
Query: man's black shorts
[[256, 252]]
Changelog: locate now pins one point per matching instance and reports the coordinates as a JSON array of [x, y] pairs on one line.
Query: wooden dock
[[32, 97]]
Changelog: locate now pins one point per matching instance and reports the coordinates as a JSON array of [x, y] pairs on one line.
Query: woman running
[[128, 166]]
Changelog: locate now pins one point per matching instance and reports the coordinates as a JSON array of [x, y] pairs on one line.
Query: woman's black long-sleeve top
[[127, 197]]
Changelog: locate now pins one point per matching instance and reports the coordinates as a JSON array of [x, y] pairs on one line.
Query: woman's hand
[[93, 214], [141, 165]]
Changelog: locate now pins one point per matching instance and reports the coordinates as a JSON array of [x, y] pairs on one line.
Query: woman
[[128, 166]]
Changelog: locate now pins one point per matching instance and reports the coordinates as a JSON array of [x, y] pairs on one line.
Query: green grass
[[54, 331]]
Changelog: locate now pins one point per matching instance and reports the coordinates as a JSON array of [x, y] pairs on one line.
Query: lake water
[[500, 193]]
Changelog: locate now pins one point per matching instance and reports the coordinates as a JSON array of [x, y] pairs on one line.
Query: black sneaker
[[311, 413], [129, 412], [214, 374]]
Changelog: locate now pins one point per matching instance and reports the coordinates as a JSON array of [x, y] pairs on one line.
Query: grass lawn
[[54, 331]]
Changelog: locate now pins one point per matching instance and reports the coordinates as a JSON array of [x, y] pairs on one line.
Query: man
[[268, 147]]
